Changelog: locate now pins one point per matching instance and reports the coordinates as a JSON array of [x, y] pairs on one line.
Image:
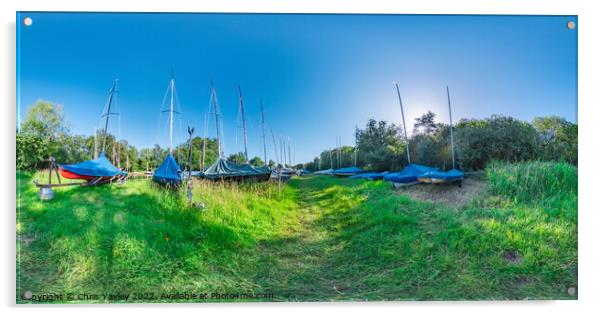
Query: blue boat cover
[[370, 175], [451, 175], [100, 167], [347, 171], [168, 172], [409, 174]]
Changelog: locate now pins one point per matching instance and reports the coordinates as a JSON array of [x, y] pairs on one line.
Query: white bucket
[[46, 193]]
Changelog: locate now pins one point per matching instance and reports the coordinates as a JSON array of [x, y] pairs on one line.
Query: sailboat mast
[[340, 153], [265, 153], [171, 86], [275, 147], [244, 124], [330, 152], [290, 160], [451, 130], [204, 143], [355, 150], [403, 119], [282, 152], [95, 143], [220, 147], [108, 114]]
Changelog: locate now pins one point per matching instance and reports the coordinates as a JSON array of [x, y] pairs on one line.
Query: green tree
[[495, 138], [558, 138], [46, 120], [256, 161], [31, 150], [238, 157], [380, 147]]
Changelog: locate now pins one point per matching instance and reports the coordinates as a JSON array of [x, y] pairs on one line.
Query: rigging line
[[159, 119]]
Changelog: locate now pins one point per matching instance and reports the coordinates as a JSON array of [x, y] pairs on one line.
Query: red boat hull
[[70, 175]]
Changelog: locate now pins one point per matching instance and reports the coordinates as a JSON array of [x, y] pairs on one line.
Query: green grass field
[[319, 239]]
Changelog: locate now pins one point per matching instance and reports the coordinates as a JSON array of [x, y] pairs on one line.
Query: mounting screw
[[570, 25]]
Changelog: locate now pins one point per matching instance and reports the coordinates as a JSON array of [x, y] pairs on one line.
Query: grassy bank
[[321, 238]]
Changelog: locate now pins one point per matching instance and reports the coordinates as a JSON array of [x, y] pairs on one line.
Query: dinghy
[[409, 175], [370, 175], [346, 172], [325, 172], [169, 172], [99, 170]]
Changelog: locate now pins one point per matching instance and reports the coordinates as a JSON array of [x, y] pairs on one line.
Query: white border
[[589, 27]]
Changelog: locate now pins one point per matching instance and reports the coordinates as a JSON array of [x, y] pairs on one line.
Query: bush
[[31, 150], [497, 138]]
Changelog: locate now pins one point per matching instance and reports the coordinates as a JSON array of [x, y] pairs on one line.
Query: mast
[[220, 147], [244, 124], [339, 152], [204, 143], [290, 160], [355, 151], [190, 132], [265, 153], [403, 119], [108, 113], [95, 143], [171, 87], [282, 152], [330, 152], [451, 130], [275, 147], [119, 155]]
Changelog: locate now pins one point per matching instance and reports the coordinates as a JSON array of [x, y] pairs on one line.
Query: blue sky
[[319, 75]]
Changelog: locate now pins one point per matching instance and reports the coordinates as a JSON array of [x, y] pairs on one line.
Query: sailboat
[[169, 172], [452, 175], [409, 174], [99, 170], [222, 169]]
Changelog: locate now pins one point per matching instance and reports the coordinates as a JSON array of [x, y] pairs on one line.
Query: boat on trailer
[[409, 175], [96, 171], [99, 170]]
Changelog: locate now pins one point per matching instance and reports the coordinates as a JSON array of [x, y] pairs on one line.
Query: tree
[[238, 157], [495, 138], [558, 138], [426, 123], [380, 147], [46, 120], [31, 151], [256, 161]]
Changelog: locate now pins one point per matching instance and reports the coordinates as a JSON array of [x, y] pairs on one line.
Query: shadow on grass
[[107, 239], [363, 242]]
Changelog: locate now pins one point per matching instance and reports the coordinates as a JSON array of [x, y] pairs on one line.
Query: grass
[[320, 239]]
